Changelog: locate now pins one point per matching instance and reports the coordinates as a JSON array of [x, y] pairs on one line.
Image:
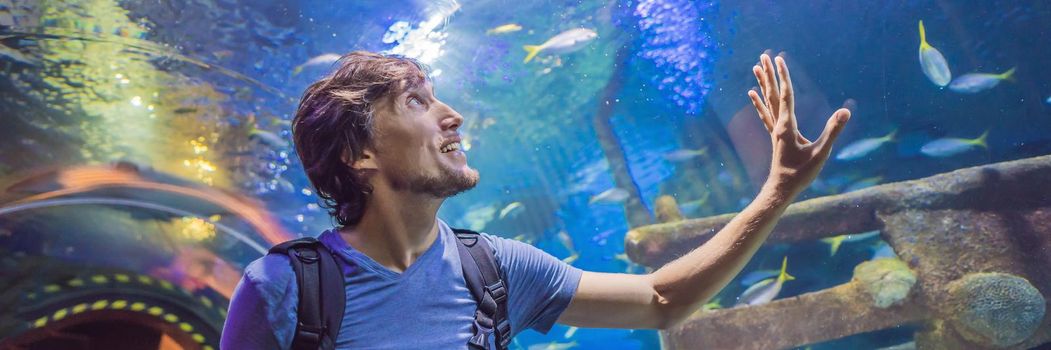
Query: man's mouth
[[450, 147], [451, 144]]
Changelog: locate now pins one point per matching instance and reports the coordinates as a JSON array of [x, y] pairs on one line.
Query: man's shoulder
[[506, 249], [497, 243], [272, 272]]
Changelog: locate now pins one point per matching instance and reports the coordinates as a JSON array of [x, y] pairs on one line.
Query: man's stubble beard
[[448, 183]]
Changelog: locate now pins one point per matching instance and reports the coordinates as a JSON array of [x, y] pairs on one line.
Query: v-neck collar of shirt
[[358, 258]]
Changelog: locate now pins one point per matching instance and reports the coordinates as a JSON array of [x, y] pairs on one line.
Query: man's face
[[417, 144]]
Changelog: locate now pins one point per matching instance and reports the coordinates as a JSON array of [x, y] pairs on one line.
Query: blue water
[[679, 72]]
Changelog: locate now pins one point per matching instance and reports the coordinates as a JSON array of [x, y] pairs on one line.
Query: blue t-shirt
[[427, 306]]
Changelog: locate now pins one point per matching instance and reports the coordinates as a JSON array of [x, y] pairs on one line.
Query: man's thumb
[[833, 127]]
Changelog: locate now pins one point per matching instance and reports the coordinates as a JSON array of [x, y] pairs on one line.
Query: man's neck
[[396, 228]]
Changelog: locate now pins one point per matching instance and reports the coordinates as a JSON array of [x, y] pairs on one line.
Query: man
[[383, 152]]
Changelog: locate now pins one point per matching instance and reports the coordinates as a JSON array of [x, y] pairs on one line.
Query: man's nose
[[450, 118]]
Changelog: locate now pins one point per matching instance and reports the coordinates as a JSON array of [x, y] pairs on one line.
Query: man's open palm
[[796, 160]]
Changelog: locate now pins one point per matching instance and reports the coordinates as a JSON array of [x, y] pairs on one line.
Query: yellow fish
[[932, 62], [766, 290], [712, 305], [975, 82], [565, 42], [504, 29], [570, 332], [835, 242], [511, 209], [567, 241], [631, 265], [950, 146], [524, 239]]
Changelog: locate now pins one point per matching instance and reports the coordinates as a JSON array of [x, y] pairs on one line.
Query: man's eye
[[414, 100]]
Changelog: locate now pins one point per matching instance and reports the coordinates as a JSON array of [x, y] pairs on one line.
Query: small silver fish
[[570, 332], [327, 58], [903, 346], [268, 139], [601, 237], [950, 146], [610, 196], [694, 205], [565, 42], [863, 147], [933, 63], [506, 28], [975, 82], [684, 154], [863, 183], [16, 55], [554, 346]]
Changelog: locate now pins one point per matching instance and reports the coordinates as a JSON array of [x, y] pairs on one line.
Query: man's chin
[[454, 182], [465, 180]]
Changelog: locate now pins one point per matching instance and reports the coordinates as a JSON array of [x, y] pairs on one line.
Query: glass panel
[[154, 140]]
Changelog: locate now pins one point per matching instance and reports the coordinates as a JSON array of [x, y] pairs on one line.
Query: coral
[[888, 280], [995, 309], [667, 210]]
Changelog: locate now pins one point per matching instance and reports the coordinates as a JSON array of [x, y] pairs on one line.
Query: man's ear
[[367, 161]]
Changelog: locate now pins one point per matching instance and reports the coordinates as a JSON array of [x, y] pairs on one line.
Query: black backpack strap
[[322, 296], [482, 275]]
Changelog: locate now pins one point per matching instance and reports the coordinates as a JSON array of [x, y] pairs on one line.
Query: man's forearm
[[669, 295], [689, 281]]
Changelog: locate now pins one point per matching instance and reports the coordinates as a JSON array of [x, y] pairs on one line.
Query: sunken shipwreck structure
[[973, 266]]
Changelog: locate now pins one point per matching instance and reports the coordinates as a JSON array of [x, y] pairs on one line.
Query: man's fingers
[[833, 127], [764, 88], [761, 109], [787, 101], [771, 88], [760, 105], [786, 92], [760, 77]]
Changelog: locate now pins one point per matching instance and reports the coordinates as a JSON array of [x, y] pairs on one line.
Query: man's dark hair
[[335, 116]]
